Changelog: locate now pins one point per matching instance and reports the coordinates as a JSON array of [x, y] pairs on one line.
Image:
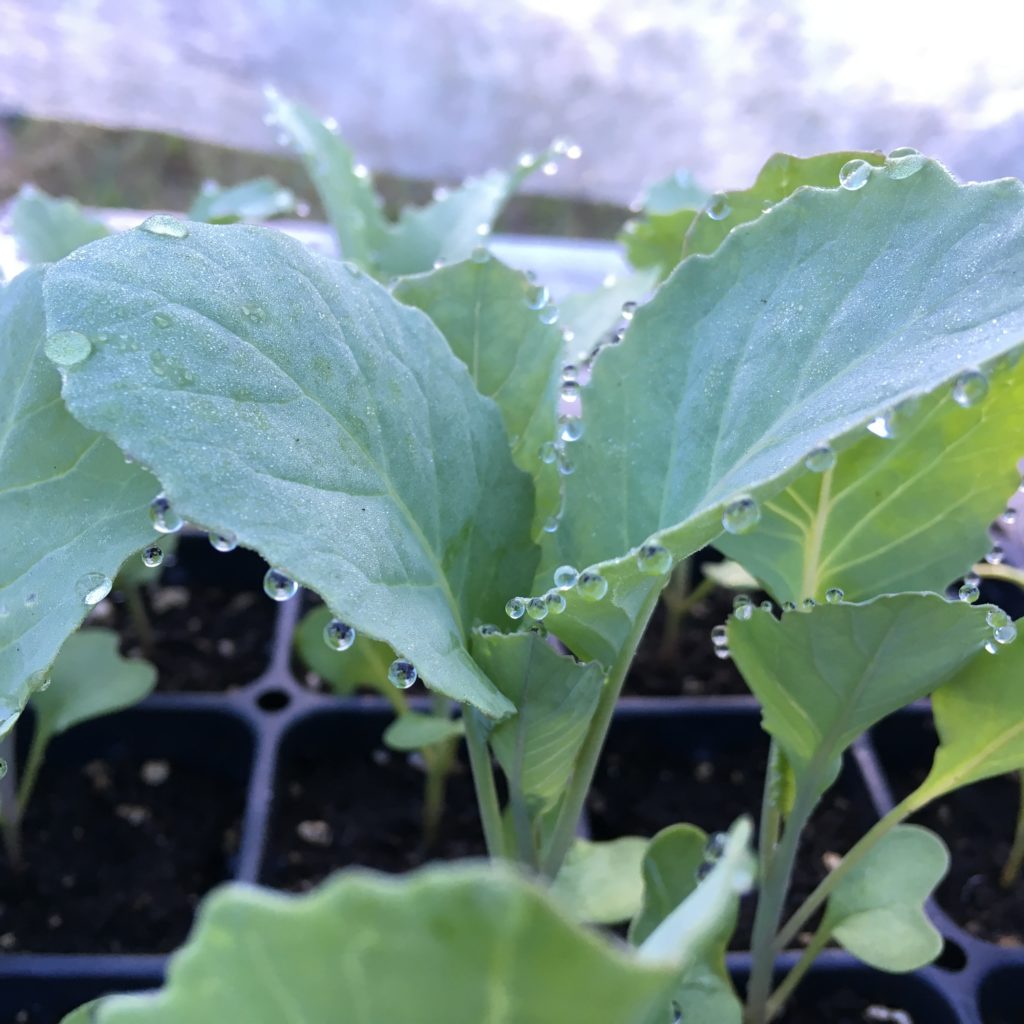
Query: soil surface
[[117, 853], [213, 627], [844, 1006], [361, 807], [689, 667], [640, 790], [977, 825]]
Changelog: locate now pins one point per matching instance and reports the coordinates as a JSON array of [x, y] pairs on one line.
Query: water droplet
[[570, 428], [555, 602], [537, 298], [969, 388], [67, 348], [549, 169], [714, 848], [654, 559], [278, 586], [1009, 517], [808, 603], [488, 630], [223, 541], [257, 314], [743, 607], [42, 685], [338, 635], [164, 518], [573, 151], [820, 459], [854, 174], [904, 162], [551, 524], [547, 453], [570, 375], [527, 160], [996, 555], [720, 636], [718, 208], [439, 263], [628, 310], [3, 767], [969, 592], [741, 515], [402, 674], [570, 391], [537, 608], [902, 151], [1005, 634], [591, 585], [565, 464], [515, 608], [722, 653], [991, 647], [167, 227], [483, 230], [480, 254], [789, 606], [162, 320], [548, 315], [767, 606], [361, 171], [834, 595], [152, 556], [565, 577], [93, 587], [997, 618]]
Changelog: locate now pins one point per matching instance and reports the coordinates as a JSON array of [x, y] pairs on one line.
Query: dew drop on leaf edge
[[741, 515], [820, 459], [338, 635], [591, 585], [969, 593], [537, 608], [515, 608], [92, 588], [163, 225], [565, 577], [163, 517], [969, 388], [654, 559], [152, 556], [278, 586], [402, 674], [67, 348], [223, 542], [834, 595], [854, 174]]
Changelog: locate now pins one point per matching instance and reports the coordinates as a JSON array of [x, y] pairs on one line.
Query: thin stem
[[1011, 869], [857, 853], [438, 759], [140, 619], [483, 783], [10, 809], [780, 996], [564, 831], [678, 599], [33, 763], [1000, 572], [771, 816]]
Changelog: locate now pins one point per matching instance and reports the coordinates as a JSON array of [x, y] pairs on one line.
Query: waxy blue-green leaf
[[46, 229], [877, 910], [600, 882], [258, 199], [71, 510], [979, 716], [466, 944], [825, 676], [909, 512], [799, 330], [491, 316], [365, 663], [291, 401], [556, 697]]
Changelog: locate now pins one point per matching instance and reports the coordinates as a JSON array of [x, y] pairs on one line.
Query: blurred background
[[134, 103]]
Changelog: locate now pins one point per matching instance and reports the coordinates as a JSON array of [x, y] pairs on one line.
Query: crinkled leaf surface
[[909, 512], [823, 677], [600, 882], [365, 663], [484, 310], [69, 505], [258, 199], [414, 731], [877, 911], [472, 944], [90, 679], [801, 328], [46, 229], [979, 715], [556, 697], [292, 402]]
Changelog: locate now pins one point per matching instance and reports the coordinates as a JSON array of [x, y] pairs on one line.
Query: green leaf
[[365, 663], [556, 697], [600, 882], [979, 715], [824, 677], [90, 679], [909, 512], [469, 944], [655, 239], [780, 177], [46, 229], [484, 310], [70, 508], [289, 400], [670, 871], [258, 199], [344, 187], [802, 328], [877, 911], [413, 731]]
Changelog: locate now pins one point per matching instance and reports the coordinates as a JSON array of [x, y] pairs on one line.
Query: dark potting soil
[[976, 824], [117, 853], [361, 808], [841, 1006], [688, 668], [639, 791]]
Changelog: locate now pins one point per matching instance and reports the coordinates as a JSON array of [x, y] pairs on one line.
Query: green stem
[[771, 900], [779, 997], [10, 809], [438, 759], [771, 816], [857, 853], [675, 599], [483, 783], [1011, 869], [30, 773], [140, 619], [564, 830]]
